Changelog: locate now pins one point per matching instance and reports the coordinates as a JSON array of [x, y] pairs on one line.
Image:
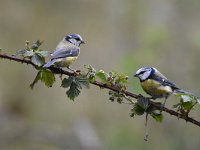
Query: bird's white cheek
[[73, 41], [145, 75]]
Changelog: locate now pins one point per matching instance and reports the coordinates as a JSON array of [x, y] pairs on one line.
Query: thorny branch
[[102, 85]]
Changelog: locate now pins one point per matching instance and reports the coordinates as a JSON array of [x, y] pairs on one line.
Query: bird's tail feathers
[[50, 63], [180, 91]]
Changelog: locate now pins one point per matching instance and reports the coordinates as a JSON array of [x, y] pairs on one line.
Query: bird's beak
[[135, 75], [82, 42]]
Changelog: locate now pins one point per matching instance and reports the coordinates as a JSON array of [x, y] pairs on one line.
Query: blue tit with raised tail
[[155, 84], [66, 52]]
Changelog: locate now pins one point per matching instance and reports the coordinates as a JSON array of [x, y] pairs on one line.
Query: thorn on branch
[[106, 86]]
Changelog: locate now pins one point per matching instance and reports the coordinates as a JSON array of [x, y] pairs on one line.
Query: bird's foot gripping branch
[[116, 84]]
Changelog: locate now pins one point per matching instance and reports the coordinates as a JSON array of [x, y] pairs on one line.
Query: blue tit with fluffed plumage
[[66, 52], [155, 84]]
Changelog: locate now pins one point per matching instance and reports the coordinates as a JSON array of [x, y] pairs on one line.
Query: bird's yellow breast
[[65, 62], [155, 88]]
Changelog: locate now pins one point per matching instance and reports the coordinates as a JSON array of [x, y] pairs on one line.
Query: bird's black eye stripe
[[142, 72], [77, 39], [66, 38]]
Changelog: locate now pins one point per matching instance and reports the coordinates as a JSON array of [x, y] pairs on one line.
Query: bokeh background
[[121, 36]]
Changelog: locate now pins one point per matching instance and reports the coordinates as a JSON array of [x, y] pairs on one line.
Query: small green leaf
[[90, 68], [43, 53], [36, 45], [112, 74], [37, 78], [91, 77], [28, 54], [27, 43], [83, 81], [73, 91], [157, 116], [143, 102], [47, 77], [122, 79], [21, 52], [186, 98], [37, 60], [198, 100], [187, 105], [102, 76], [112, 98], [25, 53], [67, 82], [137, 110], [75, 83], [91, 73]]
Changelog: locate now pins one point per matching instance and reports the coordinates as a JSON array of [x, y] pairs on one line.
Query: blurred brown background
[[121, 36]]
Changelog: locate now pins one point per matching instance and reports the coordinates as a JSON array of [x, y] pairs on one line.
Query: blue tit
[[155, 84], [66, 52]]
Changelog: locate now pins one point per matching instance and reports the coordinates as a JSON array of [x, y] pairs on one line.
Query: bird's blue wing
[[156, 75], [65, 52], [165, 82]]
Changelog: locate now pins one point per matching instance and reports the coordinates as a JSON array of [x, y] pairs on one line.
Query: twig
[[102, 85]]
